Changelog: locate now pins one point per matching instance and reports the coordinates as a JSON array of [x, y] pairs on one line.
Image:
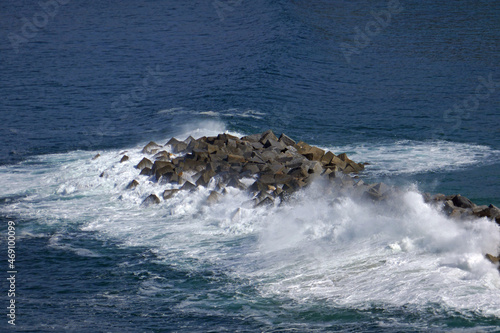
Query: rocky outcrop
[[461, 207], [275, 166], [272, 168], [278, 166]]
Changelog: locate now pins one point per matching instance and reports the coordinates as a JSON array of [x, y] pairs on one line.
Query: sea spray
[[354, 253], [317, 246]]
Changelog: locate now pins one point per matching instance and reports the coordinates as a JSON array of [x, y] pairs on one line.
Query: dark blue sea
[[411, 87]]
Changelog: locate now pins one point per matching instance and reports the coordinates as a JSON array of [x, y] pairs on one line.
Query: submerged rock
[[152, 199], [267, 201], [492, 258], [151, 148], [133, 184], [167, 194], [144, 163], [213, 198], [146, 172], [188, 186]]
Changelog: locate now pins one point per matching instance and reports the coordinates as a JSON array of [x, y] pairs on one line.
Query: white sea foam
[[412, 157], [175, 111], [342, 251], [227, 113], [202, 128]]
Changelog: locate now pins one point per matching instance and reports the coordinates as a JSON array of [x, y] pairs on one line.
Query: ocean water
[[412, 87]]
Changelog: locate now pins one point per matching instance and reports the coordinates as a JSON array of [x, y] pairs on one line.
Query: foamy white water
[[229, 113], [412, 157], [317, 247]]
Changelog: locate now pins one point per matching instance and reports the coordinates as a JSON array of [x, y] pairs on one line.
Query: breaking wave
[[339, 250]]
